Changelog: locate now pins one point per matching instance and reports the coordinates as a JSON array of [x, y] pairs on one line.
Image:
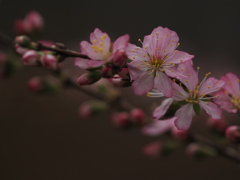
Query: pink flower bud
[[153, 149], [3, 57], [49, 61], [23, 41], [217, 124], [89, 78], [91, 109], [124, 73], [20, 27], [107, 71], [120, 58], [179, 134], [30, 58], [35, 84], [200, 151], [120, 120], [20, 50], [35, 21], [233, 134], [137, 116], [117, 81]]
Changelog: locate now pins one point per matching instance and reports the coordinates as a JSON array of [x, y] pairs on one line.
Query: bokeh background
[[42, 137]]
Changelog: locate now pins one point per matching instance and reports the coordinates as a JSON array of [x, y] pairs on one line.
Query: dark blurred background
[[41, 137]]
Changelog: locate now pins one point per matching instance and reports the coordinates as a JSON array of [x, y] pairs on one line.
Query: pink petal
[[184, 117], [187, 69], [211, 85], [99, 34], [158, 127], [86, 48], [232, 83], [134, 69], [163, 84], [162, 109], [88, 63], [211, 109], [137, 53], [178, 57], [121, 43], [179, 94], [174, 72], [143, 84], [224, 101]]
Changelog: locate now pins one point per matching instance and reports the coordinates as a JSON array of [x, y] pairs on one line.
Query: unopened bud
[[20, 50], [23, 41], [233, 134], [217, 125], [124, 73], [137, 116], [117, 81], [179, 134], [120, 120], [89, 78], [35, 84], [30, 58], [120, 58], [107, 71], [200, 151], [49, 61], [35, 21], [153, 149], [91, 109]]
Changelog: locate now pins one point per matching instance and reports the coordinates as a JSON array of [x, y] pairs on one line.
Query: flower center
[[99, 47], [236, 101]]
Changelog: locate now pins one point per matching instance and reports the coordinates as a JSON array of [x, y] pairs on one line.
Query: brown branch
[[64, 52]]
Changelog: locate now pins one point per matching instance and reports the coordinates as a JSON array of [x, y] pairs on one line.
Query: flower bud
[[20, 50], [124, 73], [120, 120], [49, 61], [89, 78], [120, 58], [20, 27], [218, 125], [30, 58], [153, 149], [107, 71], [35, 21], [179, 134], [35, 84], [233, 134], [199, 151], [91, 109], [117, 81], [23, 41], [137, 116]]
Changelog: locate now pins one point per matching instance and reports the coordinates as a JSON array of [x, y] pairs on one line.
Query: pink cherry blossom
[[195, 94], [100, 50], [153, 64], [229, 95]]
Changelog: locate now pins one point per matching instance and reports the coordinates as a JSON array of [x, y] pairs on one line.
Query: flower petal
[[179, 94], [103, 37], [121, 43], [88, 63], [174, 72], [178, 57], [232, 83], [86, 48], [211, 109], [135, 69], [163, 84], [187, 69], [224, 101], [143, 84], [211, 85], [158, 127], [184, 117], [162, 109], [136, 53]]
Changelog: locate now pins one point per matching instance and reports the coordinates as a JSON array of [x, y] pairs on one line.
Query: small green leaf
[[196, 108]]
